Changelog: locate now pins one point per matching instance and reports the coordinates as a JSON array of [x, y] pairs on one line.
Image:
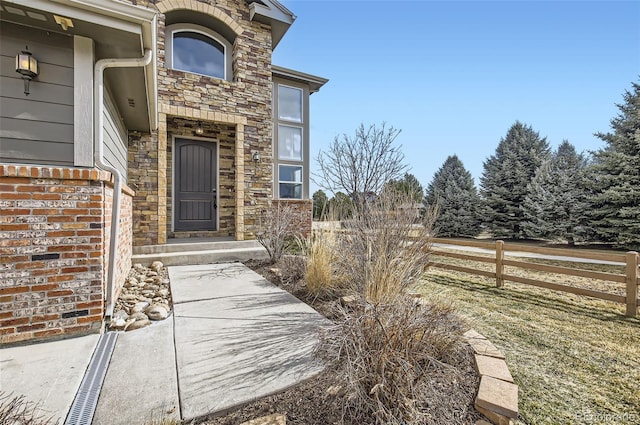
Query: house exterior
[[147, 121]]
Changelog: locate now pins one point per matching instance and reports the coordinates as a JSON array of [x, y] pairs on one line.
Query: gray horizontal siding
[[37, 128], [115, 137]]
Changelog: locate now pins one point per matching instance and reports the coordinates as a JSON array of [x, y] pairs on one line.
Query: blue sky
[[455, 75]]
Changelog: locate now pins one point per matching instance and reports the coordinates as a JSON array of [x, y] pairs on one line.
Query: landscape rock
[[157, 266], [139, 316], [144, 288], [157, 312], [138, 324]]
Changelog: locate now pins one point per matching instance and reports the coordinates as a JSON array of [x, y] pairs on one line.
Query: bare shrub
[[276, 229], [321, 273], [17, 410], [396, 359], [386, 247], [292, 268]]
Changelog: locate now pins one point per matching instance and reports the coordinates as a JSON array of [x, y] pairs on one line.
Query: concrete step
[[183, 254]]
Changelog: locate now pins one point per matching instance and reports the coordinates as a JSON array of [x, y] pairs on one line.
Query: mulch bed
[[310, 403]]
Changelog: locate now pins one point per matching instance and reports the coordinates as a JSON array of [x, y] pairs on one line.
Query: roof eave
[[313, 81]]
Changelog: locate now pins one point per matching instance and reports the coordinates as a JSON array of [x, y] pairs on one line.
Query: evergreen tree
[[506, 176], [556, 206], [408, 185], [616, 210], [453, 191], [340, 207], [320, 204]]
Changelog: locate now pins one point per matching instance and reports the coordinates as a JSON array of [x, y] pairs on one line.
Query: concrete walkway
[[233, 337]]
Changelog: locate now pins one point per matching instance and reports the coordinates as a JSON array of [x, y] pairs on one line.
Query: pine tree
[[506, 176], [408, 185], [453, 191], [556, 206], [616, 210], [320, 205]]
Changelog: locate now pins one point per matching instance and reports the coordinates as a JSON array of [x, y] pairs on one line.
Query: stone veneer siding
[[53, 248], [303, 210], [224, 136], [244, 103]]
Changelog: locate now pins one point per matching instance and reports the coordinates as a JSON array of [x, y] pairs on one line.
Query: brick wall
[[303, 210], [52, 250]]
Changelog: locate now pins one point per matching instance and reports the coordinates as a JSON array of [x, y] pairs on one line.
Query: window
[[290, 182], [199, 50], [289, 103], [289, 143]]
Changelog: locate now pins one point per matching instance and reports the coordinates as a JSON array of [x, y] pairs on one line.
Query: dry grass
[[576, 359], [321, 274], [17, 410], [375, 256], [393, 355]]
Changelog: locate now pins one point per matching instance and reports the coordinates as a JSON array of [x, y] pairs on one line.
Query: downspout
[[98, 111]]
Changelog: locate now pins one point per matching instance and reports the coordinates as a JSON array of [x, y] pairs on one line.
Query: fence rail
[[629, 260]]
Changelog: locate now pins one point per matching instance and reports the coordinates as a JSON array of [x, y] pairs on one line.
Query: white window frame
[[207, 32]]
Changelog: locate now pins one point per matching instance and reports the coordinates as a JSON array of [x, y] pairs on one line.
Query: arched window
[[199, 50]]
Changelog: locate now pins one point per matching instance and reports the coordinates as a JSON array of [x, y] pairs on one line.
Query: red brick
[[44, 272], [14, 290], [96, 311], [59, 293], [75, 211], [13, 258], [6, 299], [74, 269], [29, 328], [15, 242], [18, 226], [60, 278], [80, 306], [30, 265], [46, 287], [14, 322], [7, 187], [13, 195], [14, 180], [60, 233], [75, 329], [30, 188], [46, 196], [6, 314], [48, 332], [60, 218], [5, 331], [44, 318], [60, 248], [89, 319], [45, 211], [16, 211]]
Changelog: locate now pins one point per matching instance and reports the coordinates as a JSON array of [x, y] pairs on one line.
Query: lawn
[[576, 359]]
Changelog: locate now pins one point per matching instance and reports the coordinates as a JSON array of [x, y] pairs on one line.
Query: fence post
[[499, 266], [632, 284]]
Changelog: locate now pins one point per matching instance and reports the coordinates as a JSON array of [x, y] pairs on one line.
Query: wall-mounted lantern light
[[27, 66], [199, 129], [256, 156]]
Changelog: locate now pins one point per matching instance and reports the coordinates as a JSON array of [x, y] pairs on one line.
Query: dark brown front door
[[195, 185]]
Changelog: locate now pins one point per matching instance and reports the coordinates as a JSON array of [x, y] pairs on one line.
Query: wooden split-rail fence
[[629, 260]]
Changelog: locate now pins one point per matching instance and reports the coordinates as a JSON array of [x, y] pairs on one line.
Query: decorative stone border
[[497, 397]]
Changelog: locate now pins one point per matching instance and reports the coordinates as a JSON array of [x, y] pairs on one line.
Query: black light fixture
[[199, 129], [27, 66]]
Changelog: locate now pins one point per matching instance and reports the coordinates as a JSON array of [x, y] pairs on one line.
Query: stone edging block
[[275, 419], [497, 397]]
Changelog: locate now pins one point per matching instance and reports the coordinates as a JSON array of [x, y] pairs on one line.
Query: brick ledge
[[62, 173]]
